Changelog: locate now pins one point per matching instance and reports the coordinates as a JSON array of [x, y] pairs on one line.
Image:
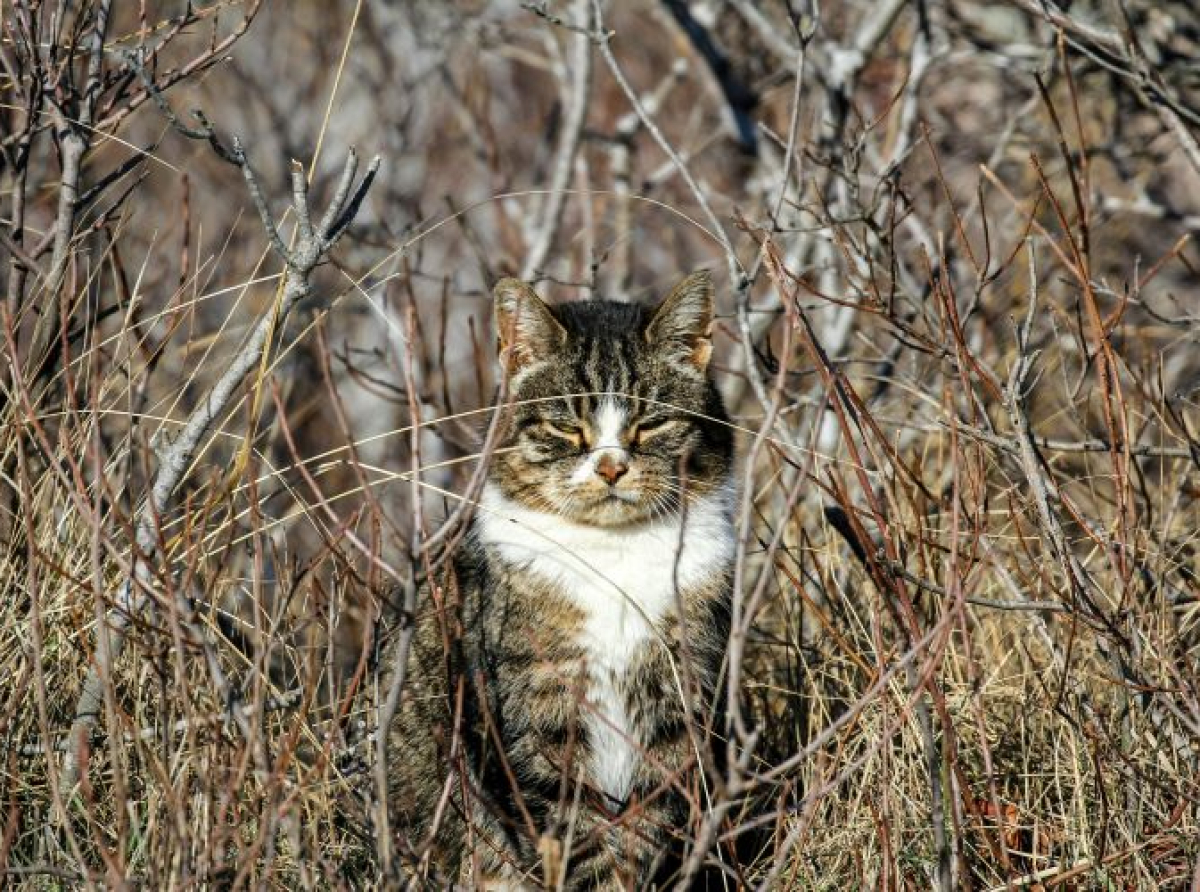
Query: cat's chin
[[615, 508]]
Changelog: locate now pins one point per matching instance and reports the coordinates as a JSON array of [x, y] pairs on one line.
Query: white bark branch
[[568, 143], [175, 458]]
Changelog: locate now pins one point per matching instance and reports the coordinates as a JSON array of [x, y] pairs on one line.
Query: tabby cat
[[577, 643]]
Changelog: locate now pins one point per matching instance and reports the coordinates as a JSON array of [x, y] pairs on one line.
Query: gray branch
[[175, 457], [75, 126], [568, 144]]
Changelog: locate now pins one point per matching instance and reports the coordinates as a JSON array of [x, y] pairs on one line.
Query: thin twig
[[175, 458]]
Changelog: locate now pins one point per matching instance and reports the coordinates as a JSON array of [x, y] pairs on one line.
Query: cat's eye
[[564, 431], [653, 428]]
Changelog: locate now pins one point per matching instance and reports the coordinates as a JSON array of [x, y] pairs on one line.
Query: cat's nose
[[611, 468]]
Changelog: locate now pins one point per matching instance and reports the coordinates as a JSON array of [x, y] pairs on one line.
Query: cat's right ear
[[526, 330]]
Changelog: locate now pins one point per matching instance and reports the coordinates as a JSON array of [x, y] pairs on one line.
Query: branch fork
[[175, 454]]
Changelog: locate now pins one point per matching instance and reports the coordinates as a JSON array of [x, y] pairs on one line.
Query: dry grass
[[957, 338]]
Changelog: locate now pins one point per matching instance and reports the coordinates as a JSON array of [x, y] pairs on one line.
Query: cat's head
[[614, 417]]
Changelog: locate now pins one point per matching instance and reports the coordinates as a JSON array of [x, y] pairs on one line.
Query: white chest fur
[[625, 581]]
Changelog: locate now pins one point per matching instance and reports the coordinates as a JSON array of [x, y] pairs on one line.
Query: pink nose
[[611, 469]]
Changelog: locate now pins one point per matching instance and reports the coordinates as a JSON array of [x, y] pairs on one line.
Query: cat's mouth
[[610, 506], [620, 495]]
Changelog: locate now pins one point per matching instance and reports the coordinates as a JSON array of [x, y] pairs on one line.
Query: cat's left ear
[[683, 322]]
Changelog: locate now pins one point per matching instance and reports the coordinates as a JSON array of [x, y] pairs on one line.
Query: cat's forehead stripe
[[608, 364]]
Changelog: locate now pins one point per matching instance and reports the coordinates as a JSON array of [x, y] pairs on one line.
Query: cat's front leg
[[491, 862], [594, 847]]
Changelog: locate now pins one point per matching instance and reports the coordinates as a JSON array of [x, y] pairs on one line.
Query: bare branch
[[575, 100], [175, 457]]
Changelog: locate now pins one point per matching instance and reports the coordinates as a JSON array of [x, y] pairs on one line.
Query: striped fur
[[577, 643]]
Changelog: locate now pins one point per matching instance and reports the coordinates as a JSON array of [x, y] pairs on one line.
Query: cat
[[576, 645]]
